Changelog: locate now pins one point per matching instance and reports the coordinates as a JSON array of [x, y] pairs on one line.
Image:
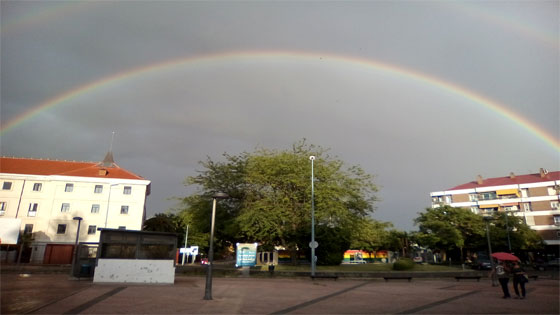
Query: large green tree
[[270, 194], [447, 228], [371, 235]]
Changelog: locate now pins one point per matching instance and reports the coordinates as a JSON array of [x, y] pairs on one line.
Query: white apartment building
[[534, 197], [46, 195]]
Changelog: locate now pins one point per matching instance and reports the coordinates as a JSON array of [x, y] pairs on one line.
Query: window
[[557, 220], [475, 210], [554, 205], [69, 188], [2, 207], [37, 186], [473, 197], [448, 199], [122, 227], [98, 189], [7, 186], [127, 190], [32, 209], [527, 206], [525, 193], [61, 229], [552, 191], [28, 229], [124, 209], [65, 207], [491, 195], [94, 208], [510, 208], [91, 229]]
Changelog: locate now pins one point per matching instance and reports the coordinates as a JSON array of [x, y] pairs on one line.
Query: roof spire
[[108, 161]]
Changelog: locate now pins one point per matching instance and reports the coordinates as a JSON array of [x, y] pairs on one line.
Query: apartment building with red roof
[[46, 196], [534, 197]]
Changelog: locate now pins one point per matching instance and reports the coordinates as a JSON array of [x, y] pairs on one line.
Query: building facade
[[48, 196], [534, 197]]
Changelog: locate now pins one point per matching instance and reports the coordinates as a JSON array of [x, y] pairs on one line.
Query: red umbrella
[[505, 256]]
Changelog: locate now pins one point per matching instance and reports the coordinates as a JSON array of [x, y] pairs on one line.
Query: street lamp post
[[313, 244], [507, 230], [208, 289], [75, 245], [494, 280]]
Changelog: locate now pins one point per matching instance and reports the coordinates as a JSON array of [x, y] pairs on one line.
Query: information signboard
[[246, 255]]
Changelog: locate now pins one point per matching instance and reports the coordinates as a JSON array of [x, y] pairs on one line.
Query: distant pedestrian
[[519, 280], [502, 272]]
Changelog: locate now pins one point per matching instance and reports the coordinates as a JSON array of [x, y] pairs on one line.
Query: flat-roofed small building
[[535, 197], [47, 194]]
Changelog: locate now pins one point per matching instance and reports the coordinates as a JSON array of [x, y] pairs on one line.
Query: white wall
[[134, 271]]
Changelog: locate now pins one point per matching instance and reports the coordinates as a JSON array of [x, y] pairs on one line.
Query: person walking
[[519, 280], [502, 272]]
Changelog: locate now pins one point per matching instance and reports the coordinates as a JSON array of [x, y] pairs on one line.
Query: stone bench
[[324, 276], [468, 277], [397, 278]]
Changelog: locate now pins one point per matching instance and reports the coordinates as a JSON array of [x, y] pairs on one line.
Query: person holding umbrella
[[502, 272]]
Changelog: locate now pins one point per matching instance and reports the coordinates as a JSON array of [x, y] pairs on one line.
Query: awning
[[508, 192], [487, 206]]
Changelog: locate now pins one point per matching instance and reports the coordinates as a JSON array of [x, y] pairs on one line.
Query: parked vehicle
[[547, 265], [482, 264]]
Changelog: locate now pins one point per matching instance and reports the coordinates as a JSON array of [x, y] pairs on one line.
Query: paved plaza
[[58, 294]]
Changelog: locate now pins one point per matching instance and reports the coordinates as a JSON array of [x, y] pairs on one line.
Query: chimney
[[102, 172], [511, 175], [543, 172], [479, 179]]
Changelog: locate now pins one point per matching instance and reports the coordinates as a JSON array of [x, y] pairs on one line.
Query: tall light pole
[[313, 244], [507, 230], [208, 289], [186, 238], [74, 253], [494, 280]]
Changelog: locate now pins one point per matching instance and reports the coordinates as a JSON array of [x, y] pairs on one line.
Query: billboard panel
[[9, 231], [246, 255]]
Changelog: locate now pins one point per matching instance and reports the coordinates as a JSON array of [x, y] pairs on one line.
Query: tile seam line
[[319, 299], [80, 308], [436, 303], [57, 300]]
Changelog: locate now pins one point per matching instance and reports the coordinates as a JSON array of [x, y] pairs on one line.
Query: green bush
[[403, 264]]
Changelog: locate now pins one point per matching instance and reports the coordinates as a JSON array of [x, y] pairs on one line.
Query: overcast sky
[[375, 81]]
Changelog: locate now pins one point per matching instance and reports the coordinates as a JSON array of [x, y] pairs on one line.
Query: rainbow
[[385, 68]]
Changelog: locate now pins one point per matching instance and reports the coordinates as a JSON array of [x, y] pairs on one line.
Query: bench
[[324, 277], [397, 278], [468, 277]]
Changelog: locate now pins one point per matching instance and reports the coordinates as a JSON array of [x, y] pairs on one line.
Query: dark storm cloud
[[414, 137]]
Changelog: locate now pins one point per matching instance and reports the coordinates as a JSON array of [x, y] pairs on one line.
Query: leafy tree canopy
[[270, 196]]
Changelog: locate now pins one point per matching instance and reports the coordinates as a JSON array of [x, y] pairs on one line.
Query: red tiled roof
[[63, 168], [518, 179]]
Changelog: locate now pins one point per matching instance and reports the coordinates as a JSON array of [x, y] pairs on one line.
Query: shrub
[[403, 264]]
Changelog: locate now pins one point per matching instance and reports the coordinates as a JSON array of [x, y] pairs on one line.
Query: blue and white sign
[[246, 255]]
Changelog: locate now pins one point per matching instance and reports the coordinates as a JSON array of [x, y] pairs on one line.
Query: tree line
[[269, 203]]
